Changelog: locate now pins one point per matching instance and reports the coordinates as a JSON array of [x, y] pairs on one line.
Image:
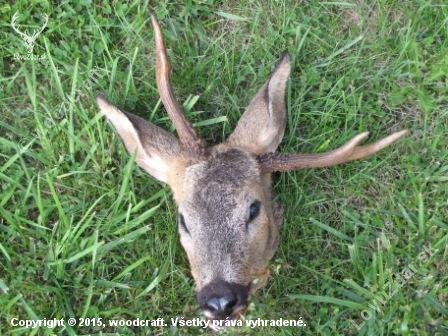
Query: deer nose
[[221, 305], [222, 299]]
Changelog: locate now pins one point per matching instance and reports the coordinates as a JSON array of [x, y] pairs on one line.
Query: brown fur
[[218, 193]]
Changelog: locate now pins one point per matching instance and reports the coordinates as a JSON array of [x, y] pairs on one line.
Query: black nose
[[222, 305], [222, 298]]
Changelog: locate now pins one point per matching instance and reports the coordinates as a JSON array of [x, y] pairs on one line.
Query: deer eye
[[182, 223], [254, 210]]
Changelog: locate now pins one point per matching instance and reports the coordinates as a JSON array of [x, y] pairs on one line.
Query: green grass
[[86, 233]]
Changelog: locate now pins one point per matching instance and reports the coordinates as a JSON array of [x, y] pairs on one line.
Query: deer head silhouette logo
[[29, 39]]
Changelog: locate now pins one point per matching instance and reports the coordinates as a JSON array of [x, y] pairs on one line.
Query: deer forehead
[[224, 179]]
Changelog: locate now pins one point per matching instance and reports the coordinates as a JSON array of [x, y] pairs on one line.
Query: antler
[[36, 34], [14, 18], [271, 162], [187, 135]]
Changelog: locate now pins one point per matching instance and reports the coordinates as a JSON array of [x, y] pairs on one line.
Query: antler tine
[[350, 151], [13, 24], [187, 135], [43, 27]]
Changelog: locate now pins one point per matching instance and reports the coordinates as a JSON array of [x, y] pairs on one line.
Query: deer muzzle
[[221, 300]]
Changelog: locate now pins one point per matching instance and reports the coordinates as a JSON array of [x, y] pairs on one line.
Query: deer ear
[[261, 127], [156, 150]]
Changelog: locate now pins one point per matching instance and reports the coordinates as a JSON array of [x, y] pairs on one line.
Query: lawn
[[85, 233]]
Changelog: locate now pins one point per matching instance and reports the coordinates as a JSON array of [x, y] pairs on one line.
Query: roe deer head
[[228, 222]]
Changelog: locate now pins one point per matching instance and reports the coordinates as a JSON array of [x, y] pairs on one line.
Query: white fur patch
[[266, 137], [158, 167]]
